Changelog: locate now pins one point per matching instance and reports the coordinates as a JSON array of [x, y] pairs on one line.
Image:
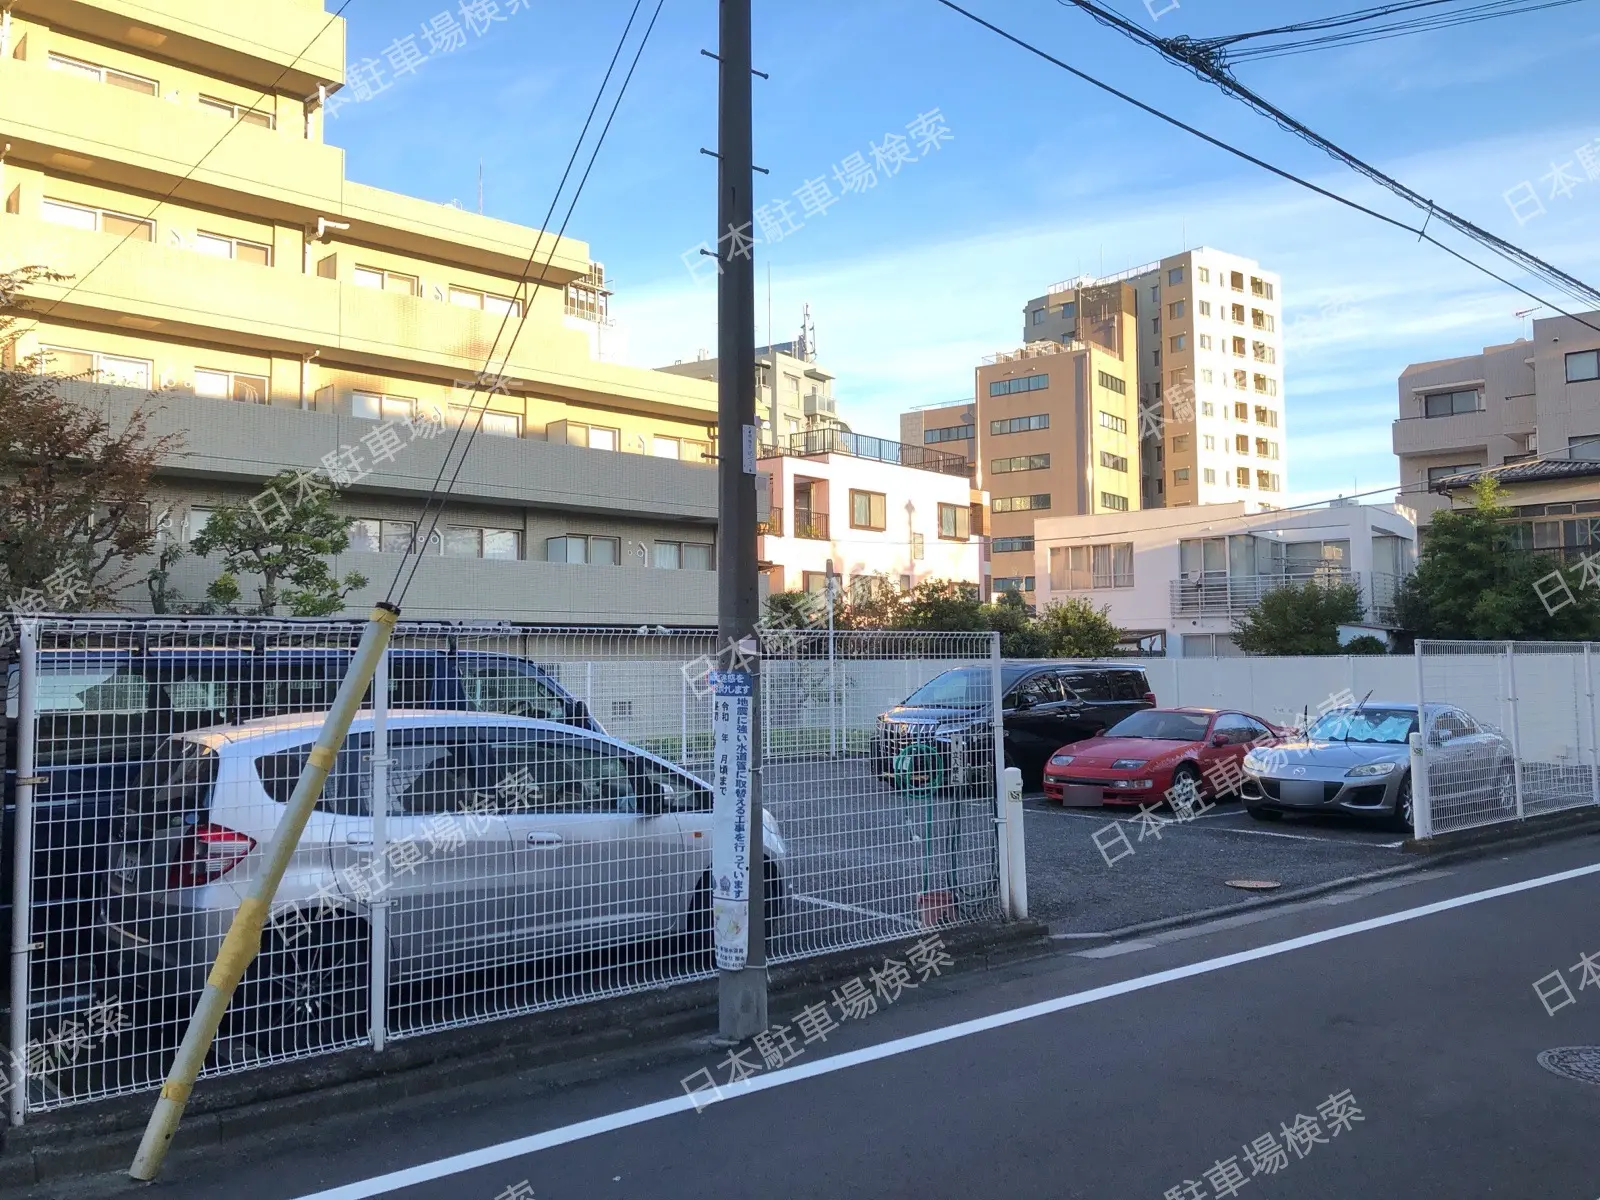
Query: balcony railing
[[810, 525], [773, 525], [861, 445], [1234, 595]]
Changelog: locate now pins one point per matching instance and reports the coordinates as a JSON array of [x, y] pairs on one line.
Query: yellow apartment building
[[169, 157]]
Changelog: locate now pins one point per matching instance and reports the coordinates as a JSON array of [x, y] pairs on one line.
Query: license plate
[[1301, 792]]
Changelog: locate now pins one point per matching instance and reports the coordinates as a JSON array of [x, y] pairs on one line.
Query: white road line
[[1296, 837], [853, 908], [443, 1168]]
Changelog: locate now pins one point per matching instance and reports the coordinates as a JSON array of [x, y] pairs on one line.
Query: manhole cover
[[1254, 885], [1573, 1062]]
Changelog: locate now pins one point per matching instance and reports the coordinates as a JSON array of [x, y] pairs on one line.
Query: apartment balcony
[[813, 526], [1234, 595], [1434, 435], [815, 404], [772, 524], [860, 445], [229, 440]]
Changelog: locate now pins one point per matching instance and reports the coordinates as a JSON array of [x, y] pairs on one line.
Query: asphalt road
[[1167, 871], [1407, 1038]]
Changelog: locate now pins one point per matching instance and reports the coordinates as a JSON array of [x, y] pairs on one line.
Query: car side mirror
[[1220, 739], [1439, 737]]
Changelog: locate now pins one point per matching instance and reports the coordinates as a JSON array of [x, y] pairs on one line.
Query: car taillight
[[208, 852], [1150, 699]]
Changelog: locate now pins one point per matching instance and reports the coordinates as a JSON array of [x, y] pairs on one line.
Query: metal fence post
[[997, 699], [378, 1014], [1594, 726], [1421, 795], [683, 721], [1516, 737], [22, 881]]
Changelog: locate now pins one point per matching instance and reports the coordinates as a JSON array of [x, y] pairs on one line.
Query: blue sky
[[911, 282]]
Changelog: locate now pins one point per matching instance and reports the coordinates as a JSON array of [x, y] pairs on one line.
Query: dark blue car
[[104, 713]]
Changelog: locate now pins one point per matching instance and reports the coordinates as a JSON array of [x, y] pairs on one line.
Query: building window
[[1262, 352], [592, 437], [1205, 341], [1450, 404], [1260, 287], [665, 447], [1018, 424], [219, 245], [868, 510], [1209, 475], [1205, 308], [1241, 443], [1236, 281], [1181, 475], [955, 520], [1242, 476], [1038, 316], [1206, 377], [1025, 383], [229, 385], [1021, 462], [919, 547], [469, 541], [486, 301], [1241, 411], [1241, 381], [1175, 310], [1155, 293], [1083, 568], [387, 281], [814, 583], [103, 220], [496, 424], [373, 406], [1113, 422], [1008, 504], [1437, 473], [1114, 502], [1013, 583], [87, 70], [1261, 448], [579, 548], [1113, 462], [371, 536], [238, 112], [1180, 342], [113, 369], [1205, 274], [1175, 276], [1583, 365], [684, 556], [1209, 442], [1180, 443], [1012, 545], [949, 433], [1112, 384]]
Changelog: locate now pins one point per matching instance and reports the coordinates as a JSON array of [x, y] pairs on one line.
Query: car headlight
[[1128, 764], [1377, 768], [1061, 760], [1253, 764]]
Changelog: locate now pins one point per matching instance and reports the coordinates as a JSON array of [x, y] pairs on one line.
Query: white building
[[1176, 581], [872, 506]]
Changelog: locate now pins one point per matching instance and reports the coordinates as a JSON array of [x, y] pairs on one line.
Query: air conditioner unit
[[1194, 578]]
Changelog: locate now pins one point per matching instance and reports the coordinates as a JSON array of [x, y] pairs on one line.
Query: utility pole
[[741, 991]]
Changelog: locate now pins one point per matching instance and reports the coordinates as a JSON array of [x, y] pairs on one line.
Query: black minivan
[[1045, 705]]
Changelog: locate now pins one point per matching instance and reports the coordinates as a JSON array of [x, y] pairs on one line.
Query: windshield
[[960, 688], [1162, 726], [1390, 726]]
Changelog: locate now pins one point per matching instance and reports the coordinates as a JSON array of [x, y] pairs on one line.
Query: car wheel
[[1404, 817], [1506, 788], [1264, 814], [1187, 776], [311, 985], [699, 935]]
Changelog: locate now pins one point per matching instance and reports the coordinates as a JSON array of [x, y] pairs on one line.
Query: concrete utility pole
[[742, 993]]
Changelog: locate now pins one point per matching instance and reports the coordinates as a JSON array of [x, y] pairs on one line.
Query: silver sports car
[[1357, 759]]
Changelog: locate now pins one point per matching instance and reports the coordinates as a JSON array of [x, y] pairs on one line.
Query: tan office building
[[1054, 432], [1210, 370], [170, 159], [1508, 404]]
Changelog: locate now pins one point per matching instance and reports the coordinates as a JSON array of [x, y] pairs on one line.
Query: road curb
[[1431, 853], [556, 1047]]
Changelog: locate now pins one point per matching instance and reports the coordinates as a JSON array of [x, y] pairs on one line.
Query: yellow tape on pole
[[240, 946]]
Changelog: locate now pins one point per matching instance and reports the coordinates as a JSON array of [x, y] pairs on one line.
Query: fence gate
[[1510, 732], [518, 820]]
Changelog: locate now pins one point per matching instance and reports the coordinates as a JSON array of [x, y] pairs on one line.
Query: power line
[[478, 384], [271, 89], [1206, 65], [1422, 233]]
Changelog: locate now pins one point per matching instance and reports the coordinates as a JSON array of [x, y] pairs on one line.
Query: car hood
[[1107, 749], [1338, 754], [916, 714]]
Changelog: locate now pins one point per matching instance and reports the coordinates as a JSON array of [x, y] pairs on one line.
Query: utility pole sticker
[[730, 827]]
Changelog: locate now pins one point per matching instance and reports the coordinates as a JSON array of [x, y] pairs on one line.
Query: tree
[[1473, 582], [1299, 619], [1020, 635], [944, 606], [1366, 644], [74, 511], [1075, 628], [283, 537]]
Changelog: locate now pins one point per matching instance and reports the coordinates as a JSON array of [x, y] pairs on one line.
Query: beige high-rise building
[[1210, 363], [1054, 431]]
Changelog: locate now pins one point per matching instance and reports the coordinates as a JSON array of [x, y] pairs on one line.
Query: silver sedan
[[1357, 759]]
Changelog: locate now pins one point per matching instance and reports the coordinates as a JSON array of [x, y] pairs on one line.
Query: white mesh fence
[[544, 836], [1510, 732]]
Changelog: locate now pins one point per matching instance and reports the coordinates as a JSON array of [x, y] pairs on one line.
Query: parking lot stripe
[[840, 906], [626, 1118], [1296, 837]]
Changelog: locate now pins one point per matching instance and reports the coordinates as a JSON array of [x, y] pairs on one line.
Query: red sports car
[[1140, 758]]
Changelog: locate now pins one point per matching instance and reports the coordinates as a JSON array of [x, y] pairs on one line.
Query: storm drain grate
[[1573, 1062]]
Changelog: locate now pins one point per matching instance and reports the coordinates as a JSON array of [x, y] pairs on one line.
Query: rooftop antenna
[[1520, 315]]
